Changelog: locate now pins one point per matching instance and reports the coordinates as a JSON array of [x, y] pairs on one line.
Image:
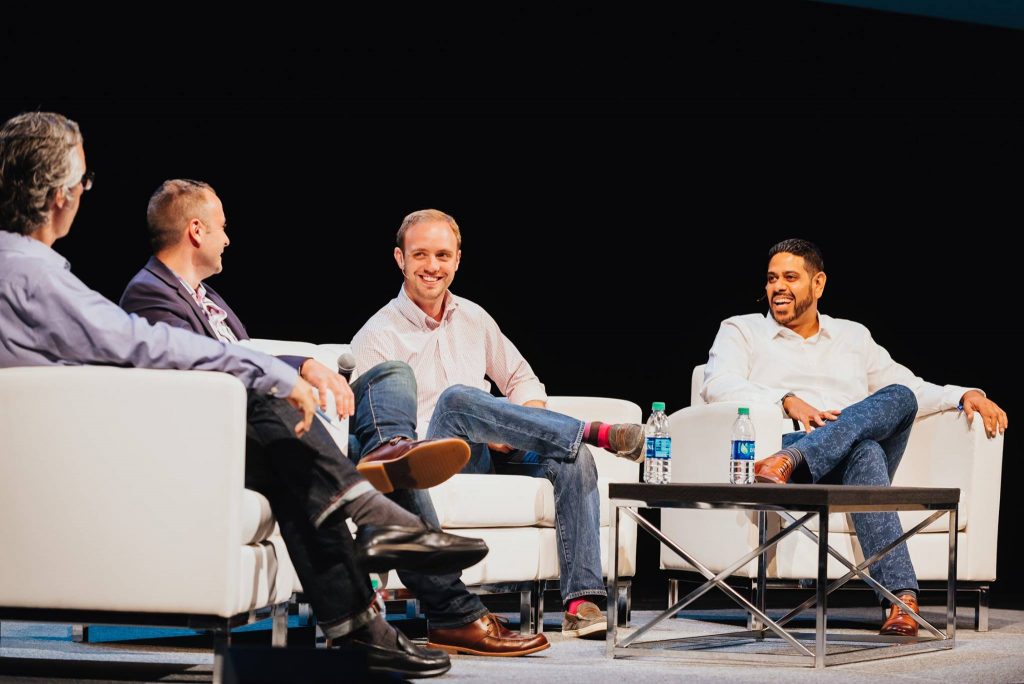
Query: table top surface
[[783, 495]]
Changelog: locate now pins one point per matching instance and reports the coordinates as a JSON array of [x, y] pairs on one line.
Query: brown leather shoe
[[899, 623], [485, 637], [405, 464], [776, 469]]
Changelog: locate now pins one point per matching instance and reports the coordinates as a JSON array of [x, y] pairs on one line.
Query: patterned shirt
[[460, 349], [214, 313]]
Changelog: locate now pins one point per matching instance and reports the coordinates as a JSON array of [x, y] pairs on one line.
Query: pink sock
[[574, 605]]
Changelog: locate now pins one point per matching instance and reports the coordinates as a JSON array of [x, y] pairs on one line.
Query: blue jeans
[[385, 408], [864, 447], [556, 440]]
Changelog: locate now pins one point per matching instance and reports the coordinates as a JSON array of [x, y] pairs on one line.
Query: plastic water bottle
[[658, 463], [741, 458]]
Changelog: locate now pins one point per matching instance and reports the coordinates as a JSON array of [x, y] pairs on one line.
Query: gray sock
[[794, 455], [373, 508]]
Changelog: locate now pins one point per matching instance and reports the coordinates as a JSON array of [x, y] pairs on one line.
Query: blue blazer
[[156, 294]]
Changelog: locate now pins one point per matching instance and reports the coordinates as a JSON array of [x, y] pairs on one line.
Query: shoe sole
[[410, 674], [415, 557], [461, 650], [597, 627], [422, 467], [767, 480]]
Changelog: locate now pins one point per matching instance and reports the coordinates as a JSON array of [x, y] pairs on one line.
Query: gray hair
[[36, 160], [173, 204]]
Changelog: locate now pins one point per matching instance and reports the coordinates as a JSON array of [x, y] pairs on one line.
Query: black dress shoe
[[388, 547], [405, 659]]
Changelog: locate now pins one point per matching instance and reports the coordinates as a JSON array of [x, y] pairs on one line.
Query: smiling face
[[429, 262], [793, 292]]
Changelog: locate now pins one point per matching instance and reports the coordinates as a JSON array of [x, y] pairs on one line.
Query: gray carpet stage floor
[[38, 652]]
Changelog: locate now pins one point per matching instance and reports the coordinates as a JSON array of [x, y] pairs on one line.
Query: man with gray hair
[[48, 318]]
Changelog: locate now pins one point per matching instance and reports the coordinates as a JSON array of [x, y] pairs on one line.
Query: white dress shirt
[[461, 349], [755, 359]]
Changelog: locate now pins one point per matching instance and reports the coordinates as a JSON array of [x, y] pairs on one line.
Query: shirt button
[[273, 390]]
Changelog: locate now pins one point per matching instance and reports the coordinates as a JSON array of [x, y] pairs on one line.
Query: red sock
[[574, 605], [596, 433]]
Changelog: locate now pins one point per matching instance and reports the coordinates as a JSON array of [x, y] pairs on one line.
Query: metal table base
[[814, 501]]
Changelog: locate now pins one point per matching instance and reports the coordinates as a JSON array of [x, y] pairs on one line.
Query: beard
[[800, 306]]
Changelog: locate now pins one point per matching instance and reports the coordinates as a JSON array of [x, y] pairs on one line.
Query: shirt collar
[[415, 314], [773, 329], [28, 246]]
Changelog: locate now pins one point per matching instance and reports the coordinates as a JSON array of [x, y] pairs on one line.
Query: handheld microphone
[[346, 365]]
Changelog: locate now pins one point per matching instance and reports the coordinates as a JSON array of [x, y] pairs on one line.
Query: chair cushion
[[258, 522], [494, 501]]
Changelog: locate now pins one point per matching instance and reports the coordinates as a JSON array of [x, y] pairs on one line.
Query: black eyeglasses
[[87, 179]]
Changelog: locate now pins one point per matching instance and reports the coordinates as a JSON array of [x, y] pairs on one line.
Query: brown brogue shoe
[[485, 637], [899, 622], [404, 464], [776, 469]]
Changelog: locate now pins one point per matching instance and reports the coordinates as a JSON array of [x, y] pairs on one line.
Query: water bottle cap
[[744, 411], [658, 406]]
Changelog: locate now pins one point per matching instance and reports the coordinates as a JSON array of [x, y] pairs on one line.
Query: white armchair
[[122, 501], [943, 451]]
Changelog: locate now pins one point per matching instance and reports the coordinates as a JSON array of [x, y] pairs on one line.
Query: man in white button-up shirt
[[855, 404]]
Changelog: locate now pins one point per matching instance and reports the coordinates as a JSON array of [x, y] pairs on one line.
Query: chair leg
[[526, 611], [673, 592], [624, 596], [221, 642], [981, 610], [279, 626], [538, 605], [80, 634]]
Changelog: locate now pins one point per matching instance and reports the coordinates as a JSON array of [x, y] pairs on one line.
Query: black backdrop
[[607, 236]]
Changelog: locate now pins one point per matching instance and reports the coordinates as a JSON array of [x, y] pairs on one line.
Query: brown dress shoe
[[405, 464], [776, 469], [899, 623], [485, 637]]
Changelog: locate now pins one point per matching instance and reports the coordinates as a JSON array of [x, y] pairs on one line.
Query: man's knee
[[397, 369], [904, 396], [458, 397], [584, 468]]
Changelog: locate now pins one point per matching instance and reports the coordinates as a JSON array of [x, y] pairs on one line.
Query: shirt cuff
[[533, 391], [951, 395]]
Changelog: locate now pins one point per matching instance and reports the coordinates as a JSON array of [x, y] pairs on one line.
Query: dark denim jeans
[[864, 447], [304, 479]]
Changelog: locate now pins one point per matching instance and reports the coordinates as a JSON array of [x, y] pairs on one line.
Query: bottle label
[[743, 450], [659, 447]]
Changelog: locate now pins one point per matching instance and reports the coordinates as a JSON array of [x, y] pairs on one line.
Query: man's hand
[[326, 380], [809, 417], [994, 418], [302, 398]]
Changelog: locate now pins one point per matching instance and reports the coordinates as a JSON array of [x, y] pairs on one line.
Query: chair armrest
[[121, 489], [945, 451]]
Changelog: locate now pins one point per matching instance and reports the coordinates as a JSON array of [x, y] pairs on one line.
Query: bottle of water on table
[[741, 456], [658, 462]]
